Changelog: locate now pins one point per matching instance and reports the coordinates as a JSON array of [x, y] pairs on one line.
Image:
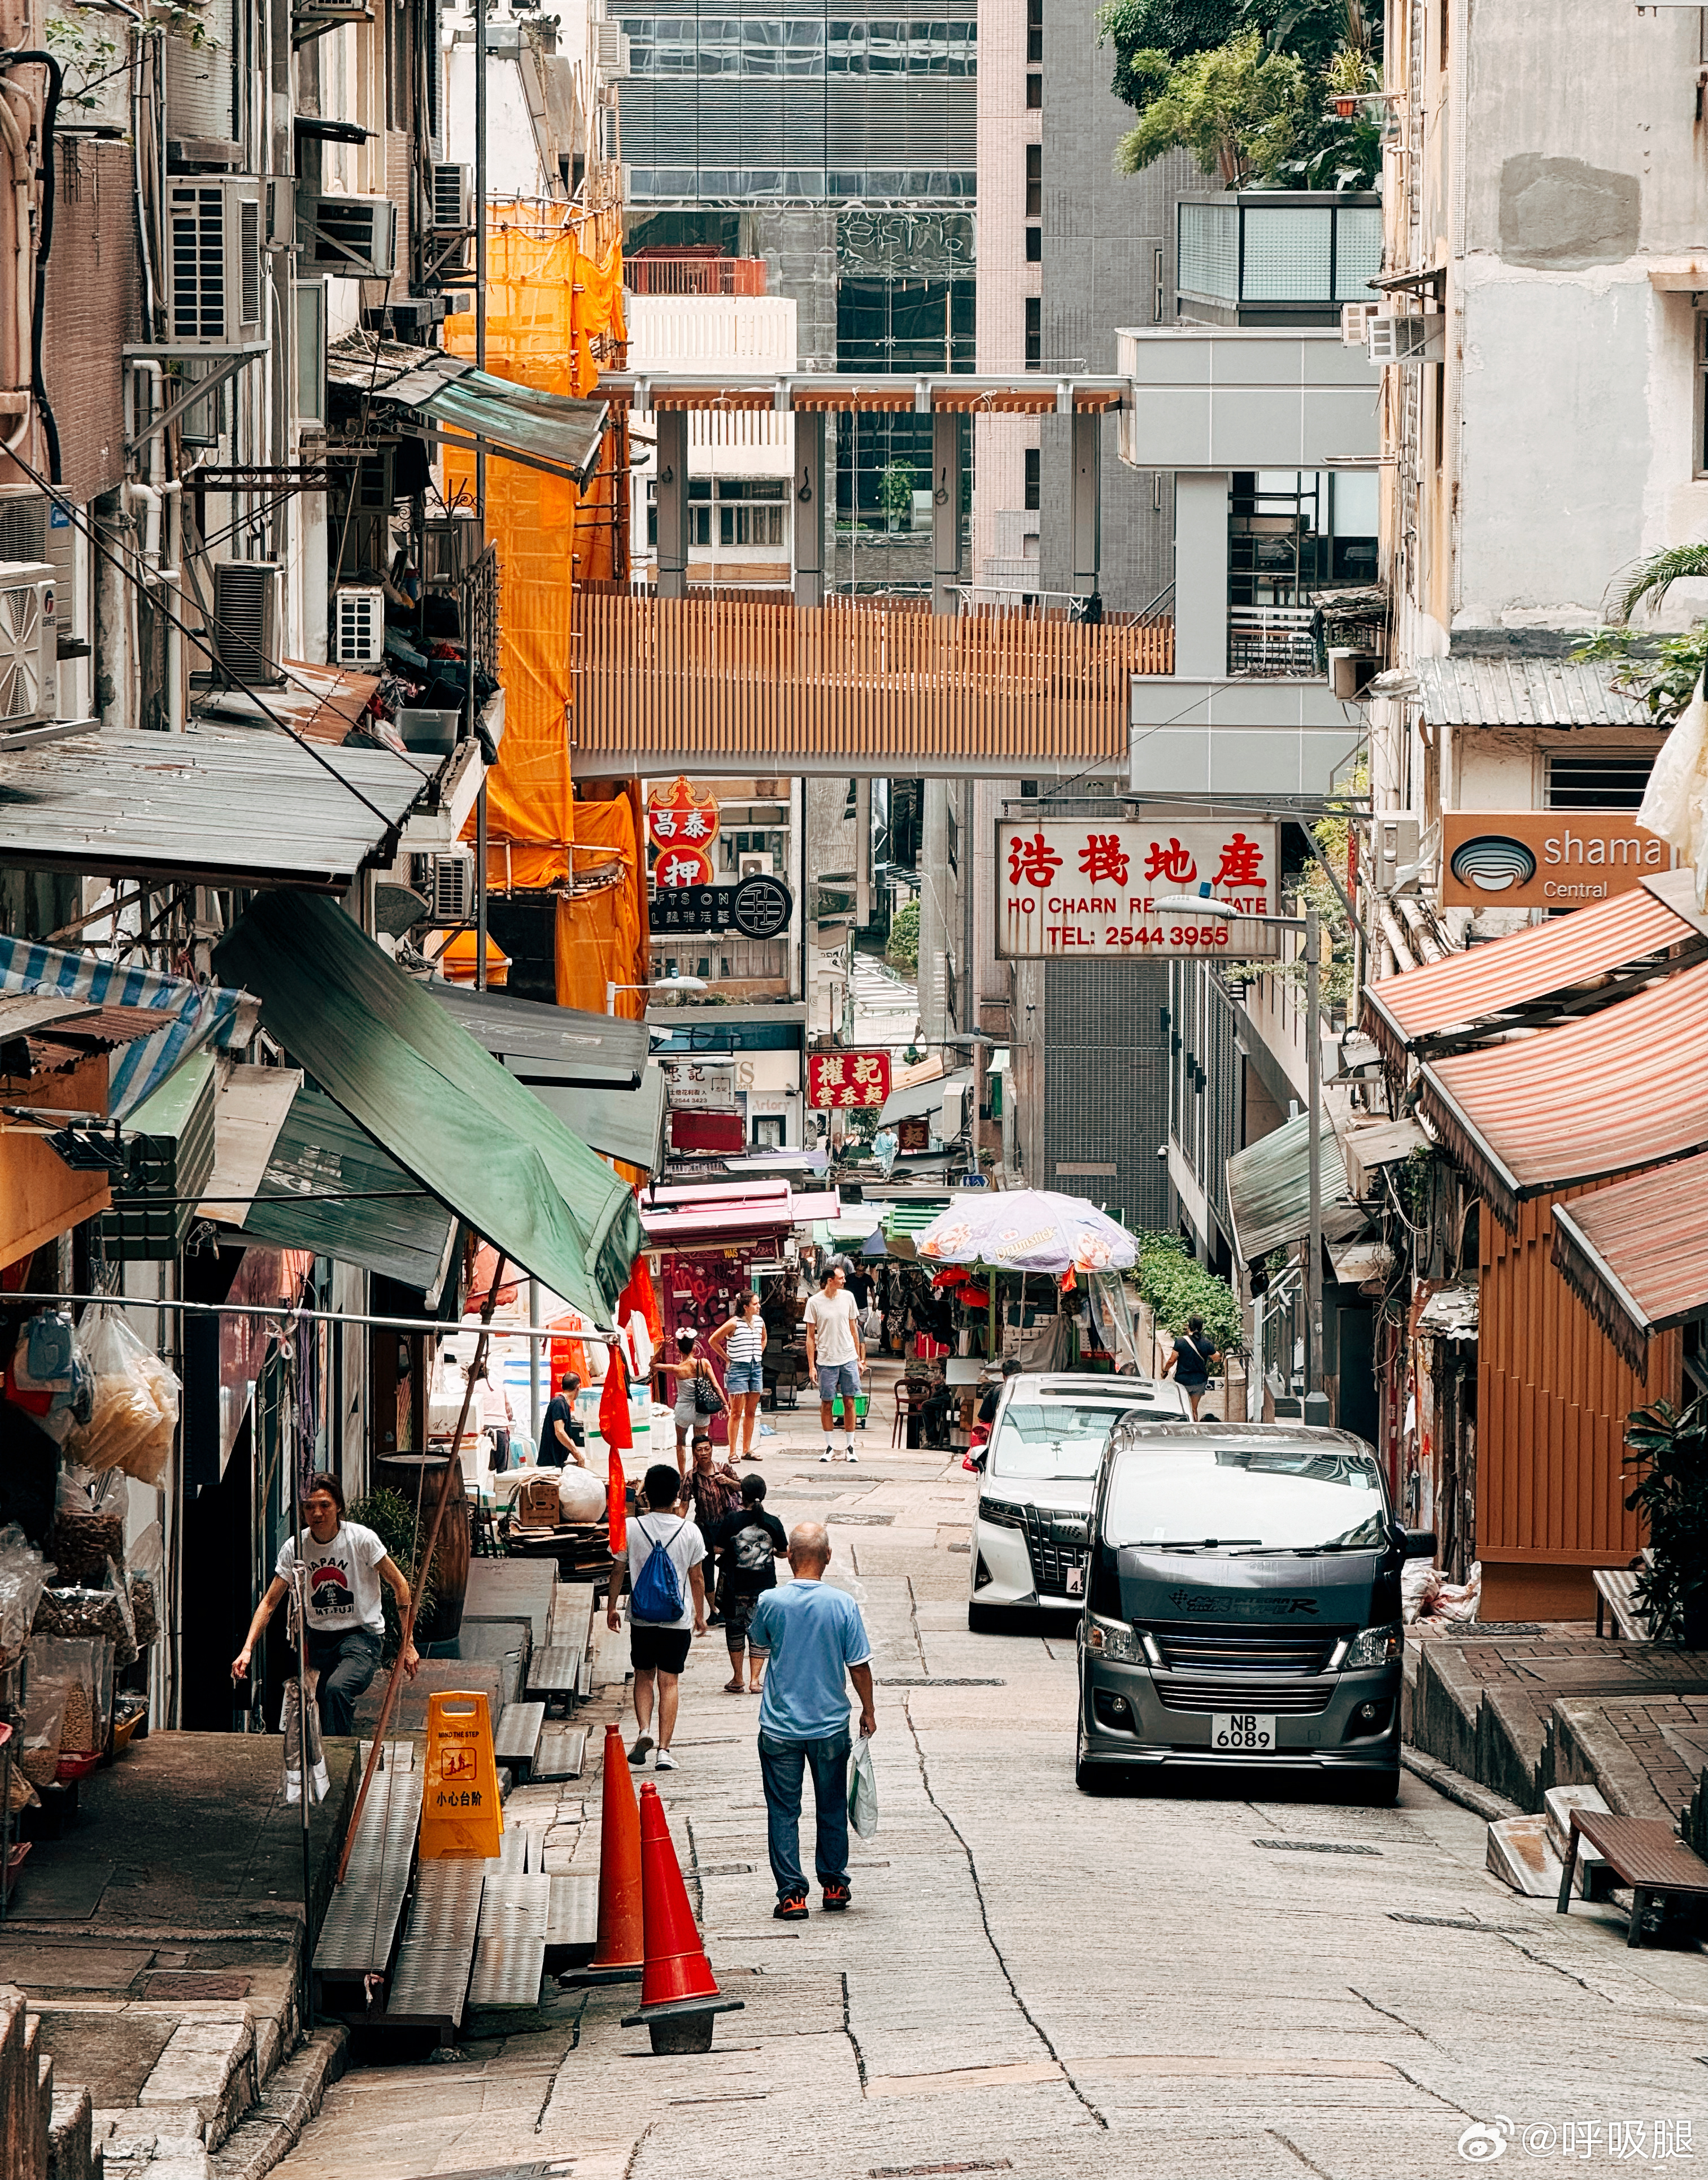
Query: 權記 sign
[[1544, 858], [1084, 887]]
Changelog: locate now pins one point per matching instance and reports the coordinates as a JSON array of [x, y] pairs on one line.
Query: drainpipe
[[18, 365]]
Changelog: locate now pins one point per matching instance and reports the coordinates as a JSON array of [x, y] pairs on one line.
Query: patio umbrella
[[1027, 1229]]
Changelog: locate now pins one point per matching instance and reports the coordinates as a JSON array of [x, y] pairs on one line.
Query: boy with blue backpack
[[667, 1605]]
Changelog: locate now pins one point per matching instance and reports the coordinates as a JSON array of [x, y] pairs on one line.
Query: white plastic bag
[[862, 1789]]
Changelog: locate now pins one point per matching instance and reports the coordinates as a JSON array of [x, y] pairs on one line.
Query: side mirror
[[975, 1461], [1420, 1543]]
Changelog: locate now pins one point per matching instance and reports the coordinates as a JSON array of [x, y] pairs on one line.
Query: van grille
[[1053, 1555], [1266, 1650], [1280, 1698]]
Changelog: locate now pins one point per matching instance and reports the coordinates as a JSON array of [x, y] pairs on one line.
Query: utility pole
[[1313, 1099]]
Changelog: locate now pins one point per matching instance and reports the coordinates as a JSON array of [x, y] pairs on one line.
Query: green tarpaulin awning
[[320, 1151], [427, 1092], [555, 427], [622, 1124], [1269, 1190]]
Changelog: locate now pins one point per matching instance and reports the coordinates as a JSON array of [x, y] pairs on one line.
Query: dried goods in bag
[[135, 1408], [88, 1525], [44, 1718], [23, 1572]]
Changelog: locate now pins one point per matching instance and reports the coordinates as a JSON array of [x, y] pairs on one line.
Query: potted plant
[[1670, 1447], [895, 492]]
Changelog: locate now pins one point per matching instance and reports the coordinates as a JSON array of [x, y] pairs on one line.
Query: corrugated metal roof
[[607, 1051], [1269, 1190], [216, 806], [555, 427], [1473, 990], [1525, 693], [1636, 1253], [1627, 1089], [920, 1099]]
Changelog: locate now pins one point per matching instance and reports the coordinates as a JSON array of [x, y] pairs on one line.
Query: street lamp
[[1200, 906], [658, 984]]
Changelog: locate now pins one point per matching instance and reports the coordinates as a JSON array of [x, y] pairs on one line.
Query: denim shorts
[[745, 1377], [834, 1378]]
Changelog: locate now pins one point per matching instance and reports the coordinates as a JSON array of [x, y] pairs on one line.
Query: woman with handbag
[[698, 1392], [739, 1345]]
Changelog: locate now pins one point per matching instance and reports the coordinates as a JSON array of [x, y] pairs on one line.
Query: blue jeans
[[346, 1660], [784, 1765]]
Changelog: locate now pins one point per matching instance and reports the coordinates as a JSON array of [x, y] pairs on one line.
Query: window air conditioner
[[29, 643], [1355, 323], [446, 882], [454, 198], [214, 269], [248, 601], [358, 626], [353, 237], [1408, 340]]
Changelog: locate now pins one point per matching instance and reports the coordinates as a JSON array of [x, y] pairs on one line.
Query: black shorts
[[658, 1650]]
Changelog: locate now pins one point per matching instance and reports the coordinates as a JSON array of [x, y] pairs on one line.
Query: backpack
[[657, 1597], [751, 1555]]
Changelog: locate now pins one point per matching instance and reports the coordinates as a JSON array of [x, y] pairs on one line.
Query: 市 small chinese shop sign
[[1089, 886], [847, 1079]]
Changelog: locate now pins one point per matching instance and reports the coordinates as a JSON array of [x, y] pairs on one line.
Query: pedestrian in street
[[739, 1345], [1192, 1361], [497, 1417], [693, 1372], [751, 1542], [562, 1439], [667, 1606], [835, 1354], [816, 1642], [993, 1394], [714, 1490], [346, 1565]]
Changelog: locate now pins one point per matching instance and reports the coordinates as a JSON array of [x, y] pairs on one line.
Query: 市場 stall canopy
[[1026, 1229], [1636, 1253], [432, 1098]]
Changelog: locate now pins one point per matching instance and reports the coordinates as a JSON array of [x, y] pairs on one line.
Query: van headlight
[[1112, 1638], [1003, 1512], [1376, 1646]]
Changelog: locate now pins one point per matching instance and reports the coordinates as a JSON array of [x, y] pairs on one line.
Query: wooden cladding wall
[[709, 677], [1552, 1397]]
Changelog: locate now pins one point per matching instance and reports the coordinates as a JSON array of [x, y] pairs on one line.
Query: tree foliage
[[1171, 1280], [1239, 109], [1671, 1464], [902, 950], [1662, 671]]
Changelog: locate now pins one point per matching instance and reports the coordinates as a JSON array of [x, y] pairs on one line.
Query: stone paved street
[[1237, 1983]]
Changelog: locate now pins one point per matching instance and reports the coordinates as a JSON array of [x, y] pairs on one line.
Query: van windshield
[[1062, 1438], [1247, 1498]]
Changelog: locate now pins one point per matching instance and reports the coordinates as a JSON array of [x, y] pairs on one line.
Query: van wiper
[[1192, 1543], [1310, 1551]]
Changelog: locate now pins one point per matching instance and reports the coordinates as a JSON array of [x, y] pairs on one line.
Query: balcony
[[1277, 257], [692, 272]]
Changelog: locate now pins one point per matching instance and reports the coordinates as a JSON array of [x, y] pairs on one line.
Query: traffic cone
[[619, 1952], [679, 1993]]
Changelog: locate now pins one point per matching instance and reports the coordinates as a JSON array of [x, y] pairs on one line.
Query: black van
[[1242, 1605]]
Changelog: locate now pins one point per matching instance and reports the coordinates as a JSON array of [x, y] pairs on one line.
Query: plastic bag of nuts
[[88, 1526], [44, 1719]]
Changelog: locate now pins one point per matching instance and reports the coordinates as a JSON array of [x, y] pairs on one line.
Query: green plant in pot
[[392, 1518], [1670, 1447]]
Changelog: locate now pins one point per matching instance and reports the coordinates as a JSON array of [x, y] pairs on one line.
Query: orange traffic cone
[[619, 1952], [679, 1993]]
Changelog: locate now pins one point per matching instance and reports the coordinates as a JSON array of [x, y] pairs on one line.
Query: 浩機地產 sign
[[1081, 887]]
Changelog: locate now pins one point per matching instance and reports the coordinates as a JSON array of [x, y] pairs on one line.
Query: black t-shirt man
[[561, 1410], [859, 1284]]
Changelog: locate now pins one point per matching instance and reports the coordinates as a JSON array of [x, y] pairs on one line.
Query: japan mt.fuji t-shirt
[[343, 1577]]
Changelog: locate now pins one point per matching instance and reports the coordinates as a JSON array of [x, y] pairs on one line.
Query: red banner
[[847, 1079]]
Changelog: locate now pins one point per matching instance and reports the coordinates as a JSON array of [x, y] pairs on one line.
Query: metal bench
[[1616, 1600], [1643, 1852]]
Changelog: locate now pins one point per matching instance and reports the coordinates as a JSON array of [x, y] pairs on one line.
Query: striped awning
[[1627, 1089], [1636, 1253], [1569, 965]]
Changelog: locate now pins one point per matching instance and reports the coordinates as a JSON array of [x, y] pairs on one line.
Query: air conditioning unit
[[1350, 672], [1394, 842], [454, 198], [1355, 323], [214, 281], [29, 643], [751, 866], [610, 49], [248, 616], [446, 882], [358, 626], [450, 546], [23, 523], [353, 237], [1408, 340]]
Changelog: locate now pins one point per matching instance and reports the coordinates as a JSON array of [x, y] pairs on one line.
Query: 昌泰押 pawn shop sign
[[1085, 887]]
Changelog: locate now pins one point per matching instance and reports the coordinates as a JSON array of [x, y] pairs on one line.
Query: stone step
[[290, 2100], [1591, 1880], [208, 2068]]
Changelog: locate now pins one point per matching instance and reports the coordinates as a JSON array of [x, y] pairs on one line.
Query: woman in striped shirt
[[738, 1343]]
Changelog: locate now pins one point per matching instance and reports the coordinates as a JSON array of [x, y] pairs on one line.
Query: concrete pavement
[[1242, 1982]]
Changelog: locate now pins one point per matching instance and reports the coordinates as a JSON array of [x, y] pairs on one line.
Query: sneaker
[[642, 1748], [663, 1761], [852, 1455], [835, 1899], [828, 1454], [790, 1908]]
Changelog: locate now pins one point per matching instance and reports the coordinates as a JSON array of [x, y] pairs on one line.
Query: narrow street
[[1037, 1982]]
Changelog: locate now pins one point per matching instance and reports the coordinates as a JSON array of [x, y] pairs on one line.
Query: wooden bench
[[1643, 1852], [1616, 1600]]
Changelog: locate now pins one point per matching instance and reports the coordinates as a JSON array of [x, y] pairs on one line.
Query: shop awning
[[620, 1123], [386, 1222], [1269, 1190], [702, 1225], [431, 1096], [1636, 1254], [553, 429], [1526, 693], [1627, 1089], [604, 1050], [921, 1099], [1571, 965], [250, 1108], [219, 806]]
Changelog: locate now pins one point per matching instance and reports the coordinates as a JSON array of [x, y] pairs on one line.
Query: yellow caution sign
[[459, 1809]]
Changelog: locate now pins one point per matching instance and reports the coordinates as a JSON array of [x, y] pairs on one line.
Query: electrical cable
[[33, 57]]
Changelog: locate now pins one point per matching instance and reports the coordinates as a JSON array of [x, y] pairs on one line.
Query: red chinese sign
[[678, 868], [847, 1079], [682, 817], [1084, 886]]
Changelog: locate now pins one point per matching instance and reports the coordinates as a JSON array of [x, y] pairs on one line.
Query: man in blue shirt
[[816, 1636]]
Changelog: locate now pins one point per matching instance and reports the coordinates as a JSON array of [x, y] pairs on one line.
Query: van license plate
[[1241, 1730]]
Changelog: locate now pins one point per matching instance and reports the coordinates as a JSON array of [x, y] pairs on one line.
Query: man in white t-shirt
[[658, 1648], [836, 1352], [346, 1565]]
